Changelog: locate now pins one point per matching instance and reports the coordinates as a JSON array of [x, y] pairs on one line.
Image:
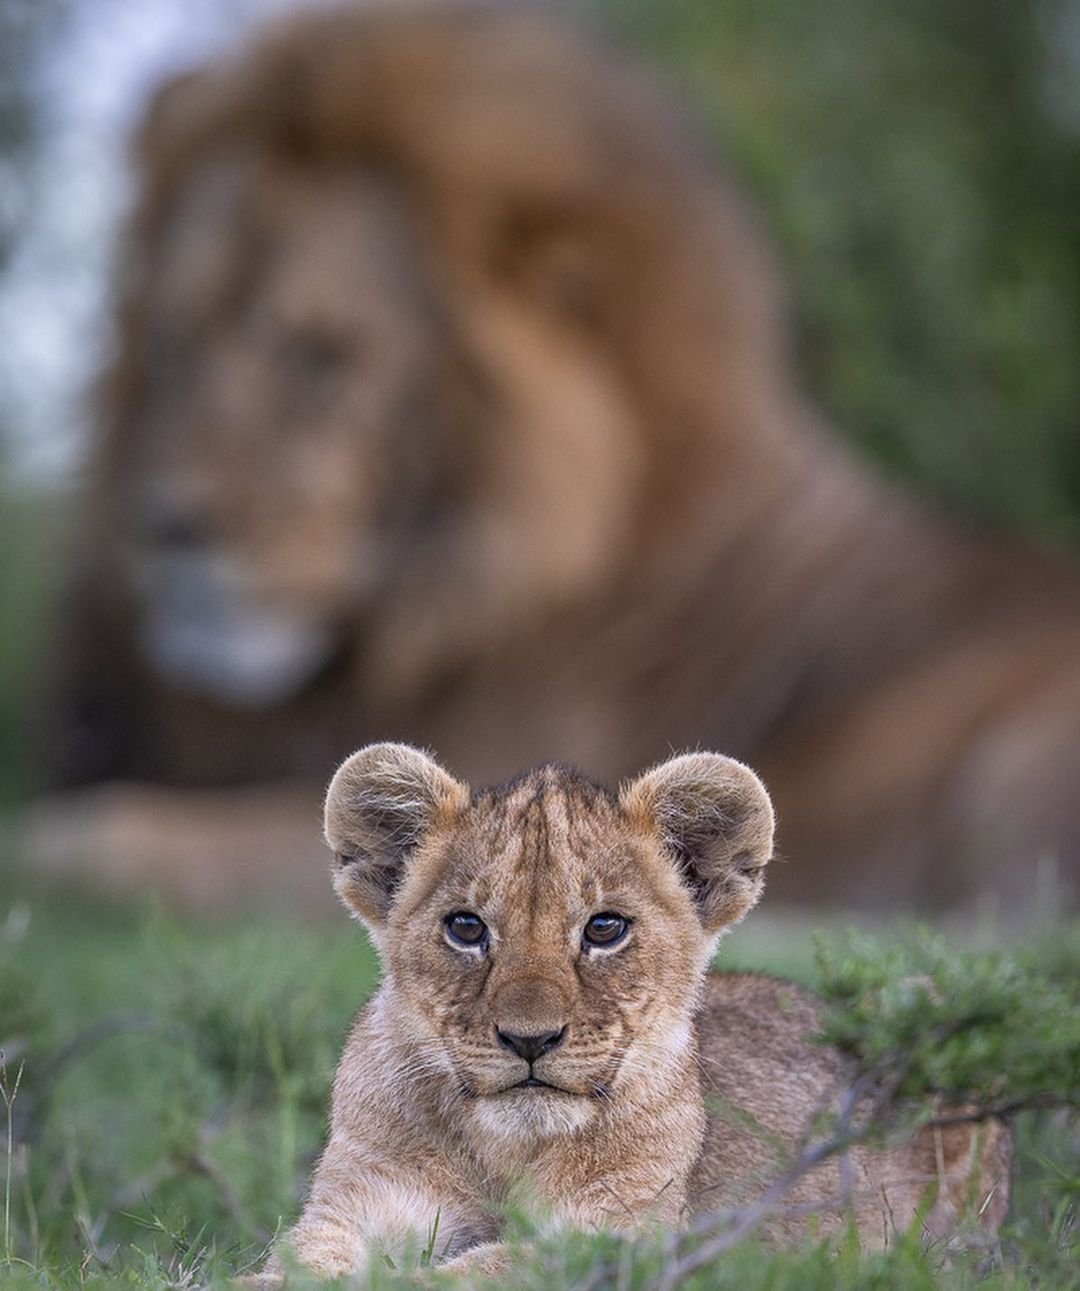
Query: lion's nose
[[174, 530], [531, 1047], [174, 515]]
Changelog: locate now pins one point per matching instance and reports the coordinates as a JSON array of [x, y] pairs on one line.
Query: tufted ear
[[380, 803], [715, 821]]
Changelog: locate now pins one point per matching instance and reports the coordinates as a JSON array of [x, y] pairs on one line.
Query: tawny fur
[[445, 349], [677, 1093]]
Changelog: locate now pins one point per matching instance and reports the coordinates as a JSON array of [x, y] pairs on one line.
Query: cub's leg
[[648, 1190], [358, 1212]]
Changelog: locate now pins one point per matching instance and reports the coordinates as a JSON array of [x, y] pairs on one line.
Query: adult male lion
[[452, 402]]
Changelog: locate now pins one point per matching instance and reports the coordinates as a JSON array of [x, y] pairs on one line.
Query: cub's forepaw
[[489, 1260]]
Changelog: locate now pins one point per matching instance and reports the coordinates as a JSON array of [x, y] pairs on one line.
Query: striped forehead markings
[[537, 822]]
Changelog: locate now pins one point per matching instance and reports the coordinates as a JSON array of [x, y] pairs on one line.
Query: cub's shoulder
[[758, 1000], [754, 1028]]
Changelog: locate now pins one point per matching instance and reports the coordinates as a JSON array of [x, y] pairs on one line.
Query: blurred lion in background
[[453, 403]]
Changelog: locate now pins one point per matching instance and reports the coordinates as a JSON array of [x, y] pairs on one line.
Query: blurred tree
[[24, 26], [920, 166]]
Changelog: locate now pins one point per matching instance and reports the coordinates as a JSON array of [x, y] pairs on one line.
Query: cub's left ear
[[715, 821]]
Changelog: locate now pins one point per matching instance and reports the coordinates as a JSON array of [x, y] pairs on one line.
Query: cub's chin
[[532, 1112]]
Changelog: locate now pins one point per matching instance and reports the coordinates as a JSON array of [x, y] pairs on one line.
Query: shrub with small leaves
[[997, 1030]]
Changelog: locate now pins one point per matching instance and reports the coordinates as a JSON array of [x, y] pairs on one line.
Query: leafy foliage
[[998, 1029]]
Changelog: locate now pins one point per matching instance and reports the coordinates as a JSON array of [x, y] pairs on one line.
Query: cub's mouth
[[534, 1082], [545, 1088]]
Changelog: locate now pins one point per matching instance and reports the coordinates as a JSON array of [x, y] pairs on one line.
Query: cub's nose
[[531, 1047]]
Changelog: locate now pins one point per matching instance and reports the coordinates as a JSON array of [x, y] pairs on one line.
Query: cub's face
[[545, 912], [545, 941]]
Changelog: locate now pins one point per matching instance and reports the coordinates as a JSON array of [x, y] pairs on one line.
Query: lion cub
[[546, 1016]]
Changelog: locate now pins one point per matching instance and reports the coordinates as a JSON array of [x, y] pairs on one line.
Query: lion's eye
[[314, 364], [466, 928], [605, 929]]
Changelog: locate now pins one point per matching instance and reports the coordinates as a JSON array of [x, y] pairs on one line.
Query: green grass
[[174, 1087]]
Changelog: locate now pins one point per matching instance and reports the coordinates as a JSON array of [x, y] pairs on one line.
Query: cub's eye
[[605, 929], [466, 928]]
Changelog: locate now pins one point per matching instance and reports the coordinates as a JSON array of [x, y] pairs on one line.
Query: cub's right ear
[[380, 803]]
